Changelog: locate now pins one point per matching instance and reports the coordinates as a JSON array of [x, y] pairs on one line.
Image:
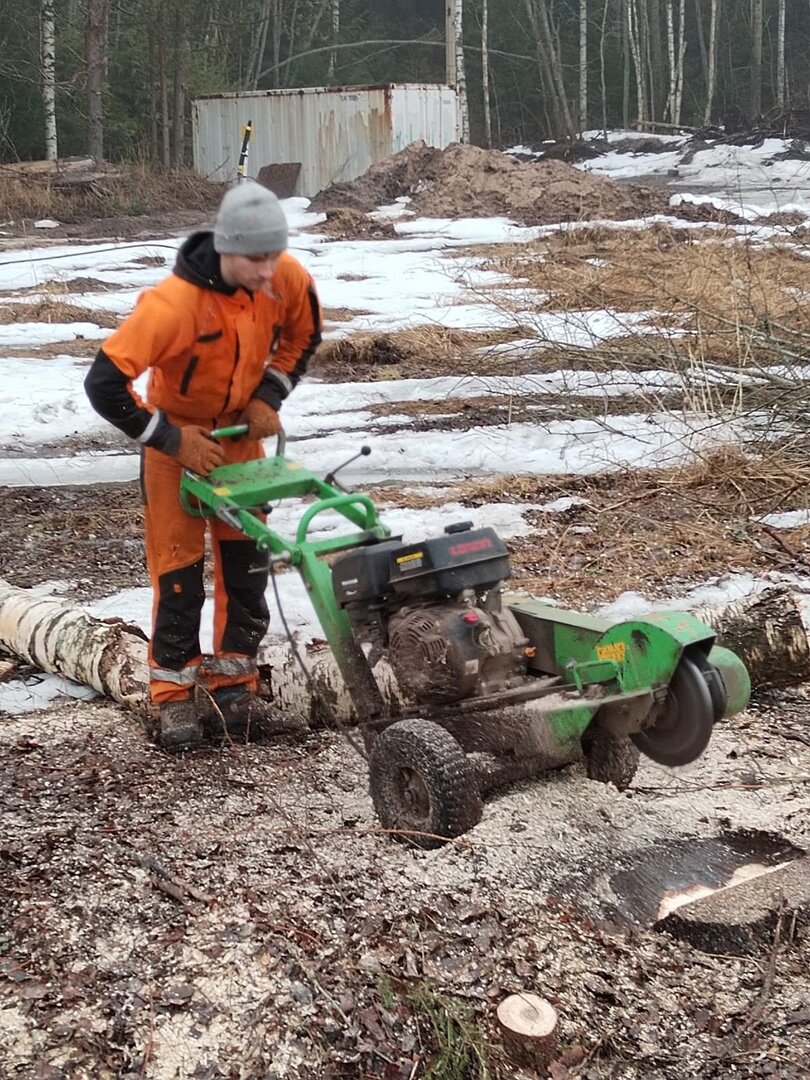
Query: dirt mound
[[466, 181], [349, 222]]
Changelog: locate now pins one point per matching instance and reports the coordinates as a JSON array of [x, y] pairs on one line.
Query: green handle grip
[[229, 432], [237, 430]]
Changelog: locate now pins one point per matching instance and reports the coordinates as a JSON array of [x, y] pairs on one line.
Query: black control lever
[[330, 478]]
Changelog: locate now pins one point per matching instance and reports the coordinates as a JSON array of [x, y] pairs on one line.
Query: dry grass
[[54, 311], [717, 284], [664, 529], [462, 413], [78, 347], [655, 531], [419, 353], [128, 190], [713, 299]]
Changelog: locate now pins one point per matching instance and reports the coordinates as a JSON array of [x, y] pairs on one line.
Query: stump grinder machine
[[495, 688]]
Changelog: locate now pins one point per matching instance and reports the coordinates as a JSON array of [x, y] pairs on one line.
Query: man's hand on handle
[[198, 451], [261, 418]]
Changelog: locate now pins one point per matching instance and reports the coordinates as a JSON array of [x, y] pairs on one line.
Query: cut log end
[[528, 1026]]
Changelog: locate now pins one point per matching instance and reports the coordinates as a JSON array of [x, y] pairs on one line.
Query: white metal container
[[335, 133]]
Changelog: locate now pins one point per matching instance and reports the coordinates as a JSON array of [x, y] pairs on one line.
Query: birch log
[[766, 631], [60, 638], [111, 657]]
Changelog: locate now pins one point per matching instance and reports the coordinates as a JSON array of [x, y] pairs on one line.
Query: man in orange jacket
[[225, 338]]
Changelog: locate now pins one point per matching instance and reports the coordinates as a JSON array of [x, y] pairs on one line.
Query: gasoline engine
[[436, 610]]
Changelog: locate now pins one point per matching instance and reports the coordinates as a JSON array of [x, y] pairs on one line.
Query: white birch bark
[[111, 658], [450, 42], [257, 47], [767, 631], [711, 76], [60, 638], [461, 75], [335, 37], [673, 77], [49, 79], [634, 41], [676, 112], [781, 85], [603, 82], [583, 65]]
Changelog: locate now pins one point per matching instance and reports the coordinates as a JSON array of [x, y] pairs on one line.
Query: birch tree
[[635, 46], [711, 60], [676, 51], [602, 79], [583, 65], [258, 42], [49, 78], [781, 82], [335, 37], [547, 46], [461, 75]]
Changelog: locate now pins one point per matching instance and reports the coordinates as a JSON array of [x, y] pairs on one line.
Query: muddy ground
[[240, 913]]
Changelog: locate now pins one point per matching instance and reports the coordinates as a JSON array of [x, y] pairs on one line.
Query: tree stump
[[743, 919], [528, 1026]]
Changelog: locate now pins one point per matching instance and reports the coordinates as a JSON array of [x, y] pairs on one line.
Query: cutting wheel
[[684, 726]]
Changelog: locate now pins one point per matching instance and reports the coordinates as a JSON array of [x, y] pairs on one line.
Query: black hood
[[198, 263]]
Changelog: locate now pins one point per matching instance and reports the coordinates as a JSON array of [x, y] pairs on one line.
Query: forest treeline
[[114, 78]]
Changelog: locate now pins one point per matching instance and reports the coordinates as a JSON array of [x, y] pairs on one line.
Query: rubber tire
[[418, 757], [714, 681], [610, 759], [694, 702]]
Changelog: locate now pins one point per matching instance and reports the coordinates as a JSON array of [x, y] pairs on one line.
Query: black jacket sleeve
[[108, 390]]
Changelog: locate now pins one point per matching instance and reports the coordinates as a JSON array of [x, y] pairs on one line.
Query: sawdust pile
[[467, 181]]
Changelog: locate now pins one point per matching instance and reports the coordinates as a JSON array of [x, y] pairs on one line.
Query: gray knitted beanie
[[250, 222]]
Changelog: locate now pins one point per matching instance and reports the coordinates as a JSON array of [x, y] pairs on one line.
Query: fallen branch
[[173, 886]]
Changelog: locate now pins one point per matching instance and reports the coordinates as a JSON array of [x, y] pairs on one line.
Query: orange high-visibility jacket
[[209, 348]]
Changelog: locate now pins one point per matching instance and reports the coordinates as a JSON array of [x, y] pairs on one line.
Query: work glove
[[261, 418], [198, 451]]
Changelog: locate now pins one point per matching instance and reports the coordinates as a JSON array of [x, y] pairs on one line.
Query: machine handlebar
[[236, 431]]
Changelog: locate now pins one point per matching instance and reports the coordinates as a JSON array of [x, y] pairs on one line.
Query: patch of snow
[[790, 519]]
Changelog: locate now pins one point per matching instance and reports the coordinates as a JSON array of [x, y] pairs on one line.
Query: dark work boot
[[180, 728], [245, 716]]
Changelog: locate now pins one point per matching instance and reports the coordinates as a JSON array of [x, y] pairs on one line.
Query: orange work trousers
[[175, 556]]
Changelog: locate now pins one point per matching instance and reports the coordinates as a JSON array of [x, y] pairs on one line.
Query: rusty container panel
[[335, 133], [428, 112]]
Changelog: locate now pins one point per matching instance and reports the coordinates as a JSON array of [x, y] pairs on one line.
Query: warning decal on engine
[[615, 650], [410, 562]]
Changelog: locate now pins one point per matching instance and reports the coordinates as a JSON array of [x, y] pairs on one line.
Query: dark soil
[[90, 536], [466, 181]]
